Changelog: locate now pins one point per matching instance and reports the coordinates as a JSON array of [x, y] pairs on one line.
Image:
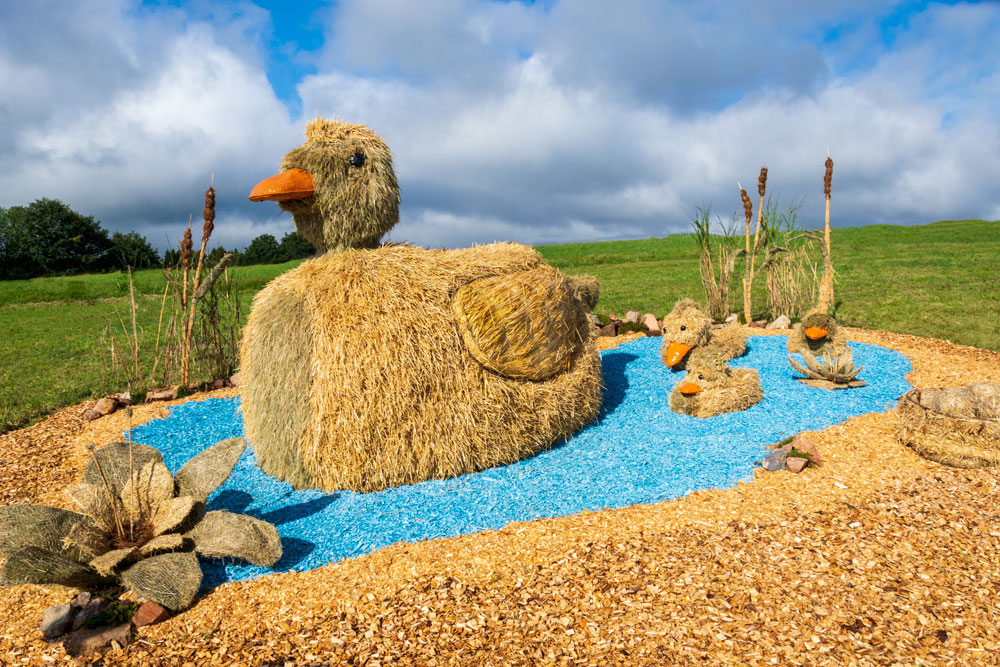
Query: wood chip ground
[[878, 557]]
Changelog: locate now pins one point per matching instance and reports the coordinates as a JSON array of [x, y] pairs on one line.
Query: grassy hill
[[940, 280]]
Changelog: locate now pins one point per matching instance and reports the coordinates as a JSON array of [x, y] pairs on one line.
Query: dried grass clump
[[710, 387], [956, 427], [356, 373], [358, 201]]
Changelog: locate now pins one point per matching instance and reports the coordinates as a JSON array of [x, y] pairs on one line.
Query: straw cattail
[[762, 181], [828, 177], [747, 206], [186, 246], [208, 213], [825, 300]]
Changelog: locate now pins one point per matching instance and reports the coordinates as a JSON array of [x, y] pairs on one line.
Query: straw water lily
[[138, 526]]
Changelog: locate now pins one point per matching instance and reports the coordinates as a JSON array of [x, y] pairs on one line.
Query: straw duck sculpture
[[710, 387], [375, 366], [819, 335], [687, 327]]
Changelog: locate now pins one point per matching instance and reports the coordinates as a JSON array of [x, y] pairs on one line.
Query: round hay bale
[[962, 442]]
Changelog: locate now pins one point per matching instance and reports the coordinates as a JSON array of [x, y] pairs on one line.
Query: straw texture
[[832, 345], [357, 373], [957, 427], [722, 389], [688, 324], [355, 203]]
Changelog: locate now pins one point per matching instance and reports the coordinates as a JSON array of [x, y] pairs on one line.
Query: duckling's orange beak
[[689, 389], [291, 184], [816, 333], [676, 352]]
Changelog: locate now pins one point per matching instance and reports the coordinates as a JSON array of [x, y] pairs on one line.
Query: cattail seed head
[[828, 177], [762, 181], [186, 245], [747, 205], [208, 213]]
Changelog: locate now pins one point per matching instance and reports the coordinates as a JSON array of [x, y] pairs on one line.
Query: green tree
[[132, 249], [262, 250], [294, 246], [47, 237], [171, 257]]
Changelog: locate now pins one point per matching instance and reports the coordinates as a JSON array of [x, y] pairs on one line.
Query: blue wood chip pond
[[638, 451]]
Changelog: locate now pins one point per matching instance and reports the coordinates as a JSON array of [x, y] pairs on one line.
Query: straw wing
[[208, 470], [228, 535]]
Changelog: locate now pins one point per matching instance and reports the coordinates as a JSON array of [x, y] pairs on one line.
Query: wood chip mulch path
[[878, 557]]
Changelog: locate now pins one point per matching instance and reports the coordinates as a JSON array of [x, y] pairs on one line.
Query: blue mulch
[[638, 451]]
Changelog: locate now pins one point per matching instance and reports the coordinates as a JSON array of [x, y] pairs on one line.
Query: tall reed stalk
[[720, 256], [748, 275], [825, 300], [761, 187]]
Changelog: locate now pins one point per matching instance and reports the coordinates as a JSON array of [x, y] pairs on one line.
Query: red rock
[[758, 324], [219, 384], [150, 613], [651, 323], [91, 415], [796, 464], [98, 640], [106, 405], [805, 444], [609, 329]]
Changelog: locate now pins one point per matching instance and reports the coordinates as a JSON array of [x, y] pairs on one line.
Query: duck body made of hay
[[372, 366], [959, 427], [711, 387], [687, 328]]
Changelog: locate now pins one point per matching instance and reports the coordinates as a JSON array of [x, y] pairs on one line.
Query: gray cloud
[[535, 124]]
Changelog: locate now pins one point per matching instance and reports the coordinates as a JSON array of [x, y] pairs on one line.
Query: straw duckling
[[374, 366], [687, 327], [819, 335], [710, 387]]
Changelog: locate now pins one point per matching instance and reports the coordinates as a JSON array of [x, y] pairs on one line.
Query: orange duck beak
[[689, 389], [291, 184], [676, 352], [816, 333]]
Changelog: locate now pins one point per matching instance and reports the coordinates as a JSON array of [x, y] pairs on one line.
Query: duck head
[[706, 371], [339, 186], [685, 328], [817, 328]]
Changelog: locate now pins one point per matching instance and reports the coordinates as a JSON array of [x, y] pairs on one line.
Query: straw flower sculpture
[[138, 527]]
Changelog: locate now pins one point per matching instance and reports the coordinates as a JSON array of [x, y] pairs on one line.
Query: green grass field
[[940, 280]]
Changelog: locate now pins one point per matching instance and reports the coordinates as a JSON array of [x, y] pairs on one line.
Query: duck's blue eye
[[356, 160]]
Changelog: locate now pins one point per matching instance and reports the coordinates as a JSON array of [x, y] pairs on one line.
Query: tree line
[[48, 238]]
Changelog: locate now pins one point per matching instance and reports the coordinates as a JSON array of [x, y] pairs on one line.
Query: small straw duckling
[[710, 387], [819, 335], [687, 327]]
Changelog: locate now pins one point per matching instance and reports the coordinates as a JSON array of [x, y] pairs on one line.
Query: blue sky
[[533, 122]]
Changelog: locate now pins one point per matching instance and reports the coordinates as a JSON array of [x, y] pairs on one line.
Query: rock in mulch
[[609, 329], [167, 394], [796, 464], [91, 414], [757, 324], [733, 317], [56, 620], [781, 323], [150, 613], [107, 405], [804, 444], [775, 460], [594, 319], [98, 640], [632, 316], [651, 323], [93, 608], [235, 380]]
